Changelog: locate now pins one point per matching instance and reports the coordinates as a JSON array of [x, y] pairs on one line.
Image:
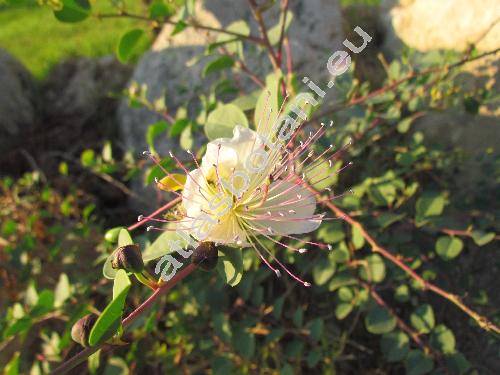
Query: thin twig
[[257, 14], [285, 4], [193, 24]]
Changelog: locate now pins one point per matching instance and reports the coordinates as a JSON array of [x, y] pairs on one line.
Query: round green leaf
[[132, 44], [112, 234], [449, 247], [417, 363], [345, 294], [342, 310], [443, 339], [482, 238], [323, 271], [222, 120], [220, 63], [124, 238], [423, 318], [379, 321], [73, 11], [374, 270], [457, 363], [230, 265], [430, 204], [395, 346]]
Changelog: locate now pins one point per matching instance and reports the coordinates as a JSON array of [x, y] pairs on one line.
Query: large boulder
[[445, 24], [78, 89], [170, 71], [18, 107]]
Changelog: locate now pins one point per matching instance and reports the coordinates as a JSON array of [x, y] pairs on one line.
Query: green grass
[[345, 3], [39, 40]]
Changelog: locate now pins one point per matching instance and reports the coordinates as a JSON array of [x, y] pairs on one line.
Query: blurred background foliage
[[363, 314]]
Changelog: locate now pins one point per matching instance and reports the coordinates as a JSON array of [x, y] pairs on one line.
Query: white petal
[[296, 213]]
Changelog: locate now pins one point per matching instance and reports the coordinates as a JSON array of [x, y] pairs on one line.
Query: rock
[[18, 107], [445, 24], [315, 31], [77, 89], [168, 70], [476, 135]]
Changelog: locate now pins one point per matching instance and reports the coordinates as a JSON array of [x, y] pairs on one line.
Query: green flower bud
[[205, 256], [128, 258], [80, 331]]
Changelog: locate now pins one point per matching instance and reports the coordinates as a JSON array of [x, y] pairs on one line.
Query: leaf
[[163, 245], [382, 194], [12, 368], [342, 310], [274, 33], [20, 325], [402, 293], [417, 363], [44, 304], [244, 343], [179, 27], [379, 321], [111, 235], [331, 232], [221, 121], [457, 363], [443, 339], [124, 238], [357, 238], [132, 44], [345, 294], [298, 317], [375, 269], [482, 238], [62, 291], [110, 319], [448, 247], [172, 182], [230, 265], [430, 204], [323, 271], [395, 346], [87, 158], [178, 127], [186, 139], [404, 125], [423, 318], [220, 63], [320, 176], [232, 43], [316, 328], [343, 278], [386, 219], [247, 102], [154, 131], [73, 11], [159, 10], [267, 106]]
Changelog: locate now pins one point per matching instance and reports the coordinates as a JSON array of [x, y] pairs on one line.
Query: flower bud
[[205, 256], [80, 331], [129, 258]]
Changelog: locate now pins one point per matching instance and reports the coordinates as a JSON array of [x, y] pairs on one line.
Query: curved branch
[[482, 321], [145, 306]]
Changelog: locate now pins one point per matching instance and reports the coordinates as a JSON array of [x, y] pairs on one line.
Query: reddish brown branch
[[482, 321]]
